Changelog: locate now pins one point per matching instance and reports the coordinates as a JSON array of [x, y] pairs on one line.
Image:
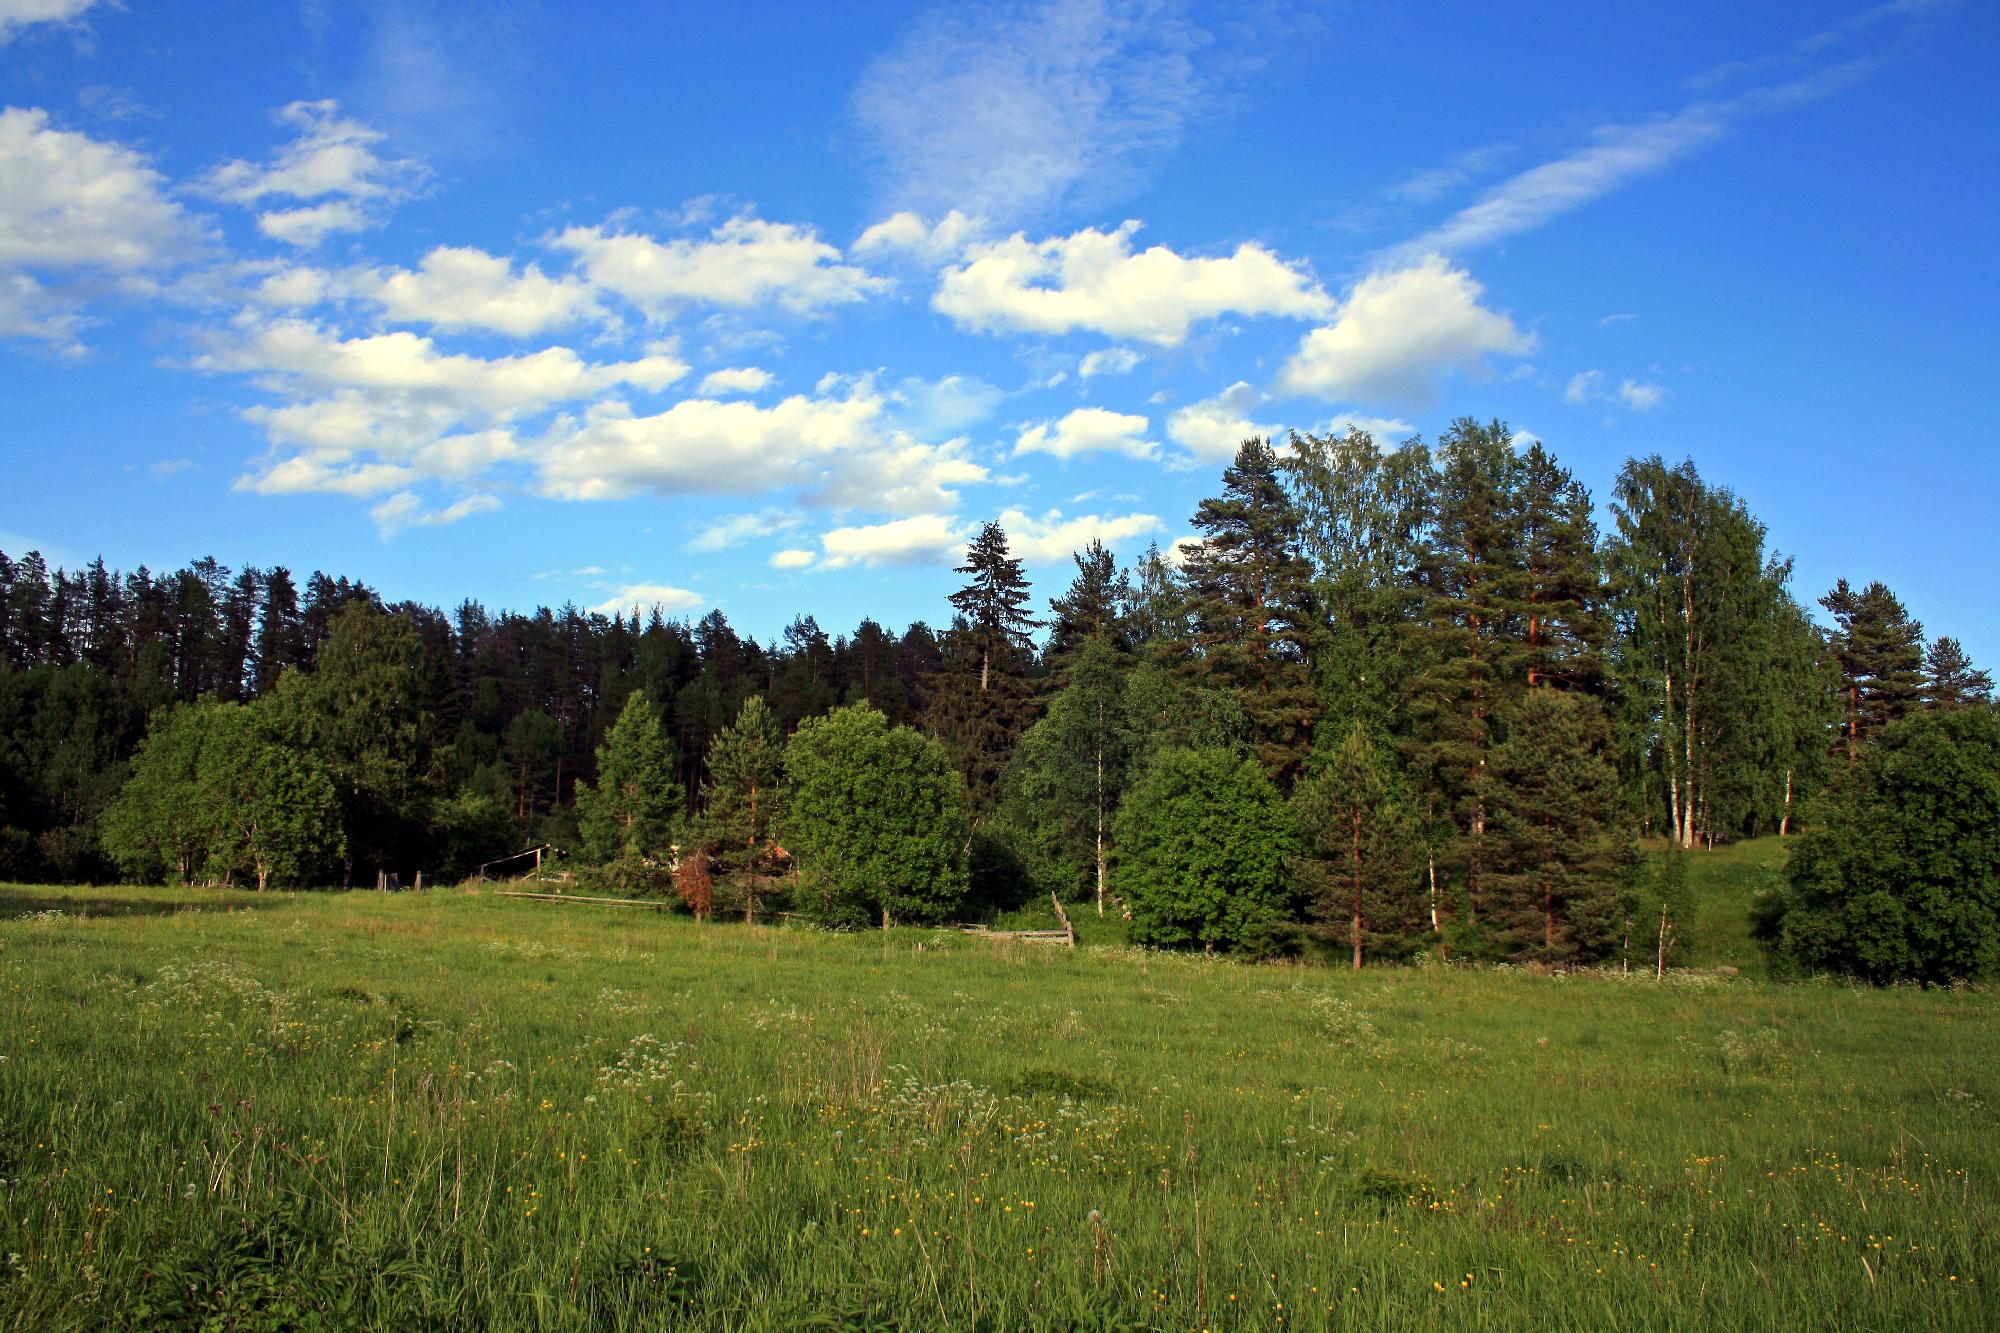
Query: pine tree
[[1950, 680], [1557, 859], [1467, 656], [993, 602], [633, 812], [1881, 655], [1251, 607], [1565, 626]]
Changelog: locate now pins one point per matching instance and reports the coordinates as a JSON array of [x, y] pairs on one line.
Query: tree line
[[1388, 700]]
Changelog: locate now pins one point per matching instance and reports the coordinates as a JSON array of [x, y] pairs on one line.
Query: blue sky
[[765, 307]]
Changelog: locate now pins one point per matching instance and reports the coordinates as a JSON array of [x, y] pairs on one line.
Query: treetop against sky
[[768, 308]]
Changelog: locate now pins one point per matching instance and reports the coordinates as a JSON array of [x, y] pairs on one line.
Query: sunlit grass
[[453, 1111]]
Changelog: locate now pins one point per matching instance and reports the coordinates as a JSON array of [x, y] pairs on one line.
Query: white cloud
[[1617, 155], [1618, 317], [459, 287], [306, 358], [69, 201], [793, 558], [745, 262], [331, 168], [945, 406], [1641, 397], [1088, 430], [1008, 111], [1092, 280], [917, 540], [1400, 332], [736, 529], [1384, 430], [1215, 427], [1107, 361], [405, 510], [647, 596], [18, 14], [747, 379], [293, 288], [79, 218], [1591, 386], [1049, 537], [930, 242], [838, 452]]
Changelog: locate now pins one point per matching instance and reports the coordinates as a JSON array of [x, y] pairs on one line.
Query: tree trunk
[[1431, 864], [1356, 869], [1100, 831], [1785, 820]]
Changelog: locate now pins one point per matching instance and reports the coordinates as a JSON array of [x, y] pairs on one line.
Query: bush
[[1203, 844], [1898, 879]]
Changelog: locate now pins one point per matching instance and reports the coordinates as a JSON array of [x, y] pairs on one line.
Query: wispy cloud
[[1616, 156], [1009, 110]]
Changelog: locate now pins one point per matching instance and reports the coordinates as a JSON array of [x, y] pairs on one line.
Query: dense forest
[[1389, 700]]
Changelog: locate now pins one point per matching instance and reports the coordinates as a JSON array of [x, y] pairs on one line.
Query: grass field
[[454, 1111]]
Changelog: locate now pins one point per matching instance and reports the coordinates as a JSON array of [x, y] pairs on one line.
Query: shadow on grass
[[17, 903]]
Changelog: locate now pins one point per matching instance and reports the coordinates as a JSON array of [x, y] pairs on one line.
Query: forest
[[1390, 701]]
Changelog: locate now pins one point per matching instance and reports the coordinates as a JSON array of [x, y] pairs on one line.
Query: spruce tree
[[1092, 609], [1251, 607], [743, 796], [1881, 655], [1565, 626], [980, 699], [632, 814], [1351, 814]]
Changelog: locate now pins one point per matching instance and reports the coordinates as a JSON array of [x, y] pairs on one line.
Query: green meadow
[[452, 1110]]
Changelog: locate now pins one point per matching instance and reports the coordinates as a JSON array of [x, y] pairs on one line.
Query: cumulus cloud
[[736, 529], [744, 262], [838, 452], [18, 14], [1107, 361], [1584, 386], [920, 539], [1214, 427], [331, 169], [1088, 430], [1049, 537], [461, 287], [929, 242], [367, 414], [1400, 332], [79, 217], [746, 379], [1091, 280], [794, 557], [643, 597], [1010, 110]]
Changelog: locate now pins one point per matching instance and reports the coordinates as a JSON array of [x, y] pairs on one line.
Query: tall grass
[[455, 1111]]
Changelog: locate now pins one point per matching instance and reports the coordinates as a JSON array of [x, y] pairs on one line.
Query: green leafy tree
[[1204, 848], [1360, 838], [875, 819], [1069, 773], [163, 819], [1898, 877], [633, 813], [278, 811]]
